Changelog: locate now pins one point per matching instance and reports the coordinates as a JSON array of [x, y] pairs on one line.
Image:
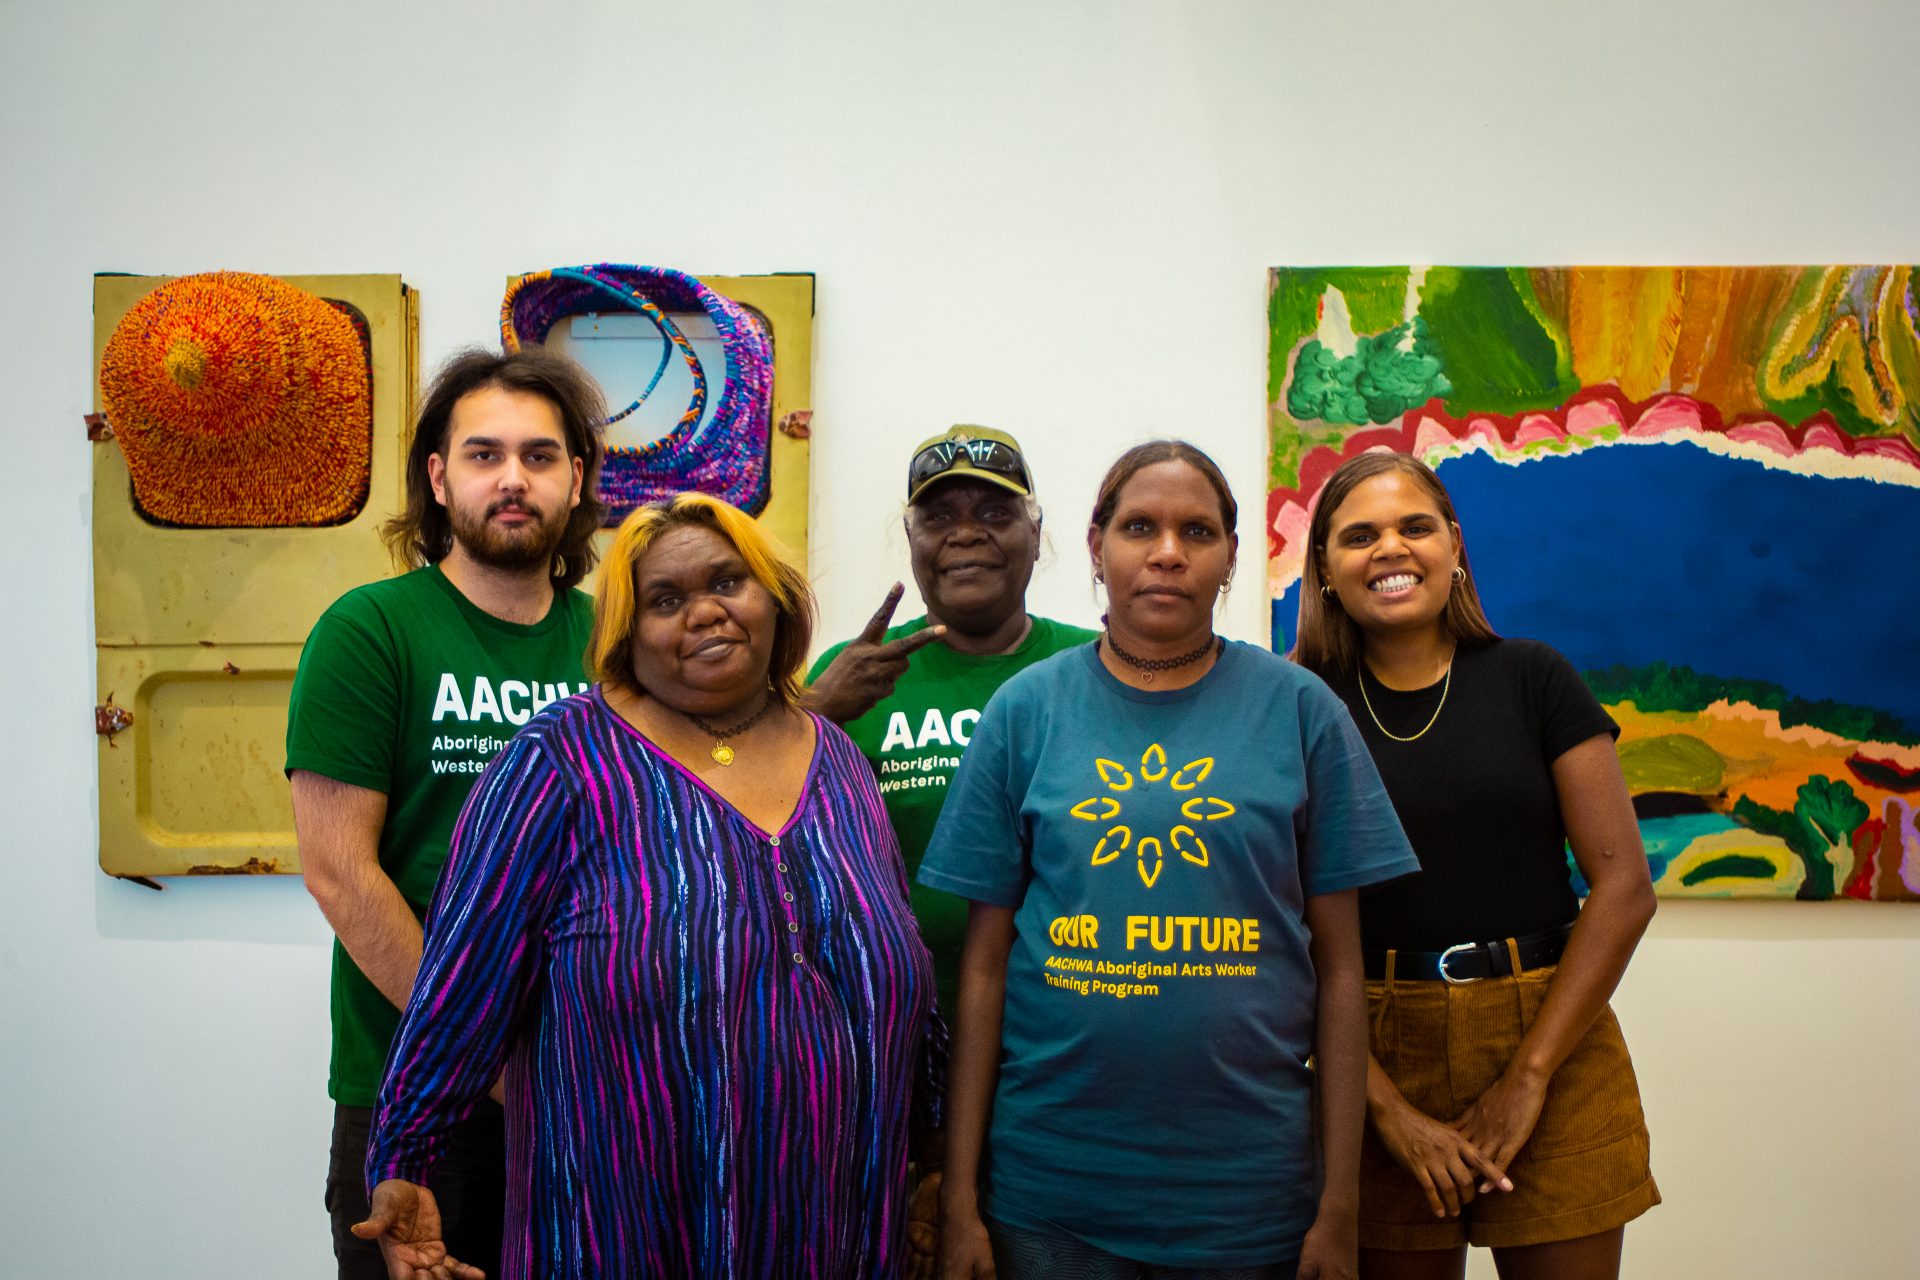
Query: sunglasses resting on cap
[[968, 452]]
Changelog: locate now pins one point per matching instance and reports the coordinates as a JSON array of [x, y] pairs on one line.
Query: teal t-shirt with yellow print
[[1159, 849]]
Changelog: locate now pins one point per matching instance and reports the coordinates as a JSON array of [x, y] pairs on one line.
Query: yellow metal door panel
[[199, 630], [786, 303], [194, 784]]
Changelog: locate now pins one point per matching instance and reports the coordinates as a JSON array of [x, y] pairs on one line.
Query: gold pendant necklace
[[1445, 684], [722, 753]]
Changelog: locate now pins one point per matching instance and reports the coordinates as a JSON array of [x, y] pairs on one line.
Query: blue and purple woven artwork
[[728, 458]]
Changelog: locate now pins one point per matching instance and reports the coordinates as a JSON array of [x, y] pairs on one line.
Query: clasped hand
[[1454, 1162]]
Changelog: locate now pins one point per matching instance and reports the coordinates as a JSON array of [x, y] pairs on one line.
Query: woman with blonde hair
[[676, 916], [1502, 1105]]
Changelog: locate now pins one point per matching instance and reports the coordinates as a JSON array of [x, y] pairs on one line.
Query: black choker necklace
[[1148, 666]]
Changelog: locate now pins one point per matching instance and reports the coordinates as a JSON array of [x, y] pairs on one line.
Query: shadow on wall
[[269, 909]]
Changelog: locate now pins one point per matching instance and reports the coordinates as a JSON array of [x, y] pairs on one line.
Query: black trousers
[[469, 1184]]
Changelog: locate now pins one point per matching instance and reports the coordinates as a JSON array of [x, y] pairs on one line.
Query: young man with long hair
[[406, 689]]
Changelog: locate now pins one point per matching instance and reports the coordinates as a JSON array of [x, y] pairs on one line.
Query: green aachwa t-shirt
[[408, 688], [914, 739]]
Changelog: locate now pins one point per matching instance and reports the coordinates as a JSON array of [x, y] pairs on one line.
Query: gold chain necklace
[[1445, 684]]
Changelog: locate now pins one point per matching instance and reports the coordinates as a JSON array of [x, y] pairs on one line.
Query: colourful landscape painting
[[1702, 485]]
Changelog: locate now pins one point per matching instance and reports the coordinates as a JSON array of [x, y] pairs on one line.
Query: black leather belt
[[1471, 961]]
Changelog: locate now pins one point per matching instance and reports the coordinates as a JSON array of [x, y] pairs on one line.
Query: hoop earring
[[559, 565], [1459, 574], [1326, 593]]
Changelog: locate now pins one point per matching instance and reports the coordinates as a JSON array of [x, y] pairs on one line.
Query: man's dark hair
[[422, 534]]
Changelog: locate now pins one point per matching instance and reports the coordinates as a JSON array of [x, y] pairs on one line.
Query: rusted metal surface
[[110, 718], [251, 867]]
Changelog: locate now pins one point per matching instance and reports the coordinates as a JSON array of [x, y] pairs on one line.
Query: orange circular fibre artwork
[[240, 401]]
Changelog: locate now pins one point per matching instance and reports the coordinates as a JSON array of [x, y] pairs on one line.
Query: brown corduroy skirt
[[1585, 1168]]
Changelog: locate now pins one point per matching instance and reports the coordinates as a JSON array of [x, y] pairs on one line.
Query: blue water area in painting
[[1642, 553], [1665, 839]]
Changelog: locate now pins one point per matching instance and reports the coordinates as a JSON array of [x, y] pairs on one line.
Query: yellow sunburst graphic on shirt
[[1150, 851]]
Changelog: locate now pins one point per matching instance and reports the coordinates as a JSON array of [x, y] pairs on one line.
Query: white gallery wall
[[1050, 215]]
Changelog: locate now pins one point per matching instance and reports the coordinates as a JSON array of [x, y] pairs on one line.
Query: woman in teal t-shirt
[[1162, 837]]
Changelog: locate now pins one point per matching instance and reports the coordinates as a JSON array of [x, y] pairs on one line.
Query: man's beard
[[503, 547]]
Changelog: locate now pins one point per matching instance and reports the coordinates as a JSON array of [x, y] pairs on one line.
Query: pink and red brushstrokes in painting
[[1592, 417]]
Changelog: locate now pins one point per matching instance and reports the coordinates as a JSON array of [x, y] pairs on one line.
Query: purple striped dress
[[710, 1032]]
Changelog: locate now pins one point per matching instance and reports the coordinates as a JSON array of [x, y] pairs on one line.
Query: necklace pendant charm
[[722, 753], [1149, 667]]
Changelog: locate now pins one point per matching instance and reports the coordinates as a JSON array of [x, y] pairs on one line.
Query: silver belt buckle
[[1448, 978]]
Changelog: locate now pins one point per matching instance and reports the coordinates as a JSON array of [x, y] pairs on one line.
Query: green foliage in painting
[[1830, 809], [1377, 383], [1485, 327], [1660, 687], [1825, 812], [1376, 299], [1732, 866], [1765, 819]]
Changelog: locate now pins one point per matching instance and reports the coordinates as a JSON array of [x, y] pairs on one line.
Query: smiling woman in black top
[[1501, 1102]]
